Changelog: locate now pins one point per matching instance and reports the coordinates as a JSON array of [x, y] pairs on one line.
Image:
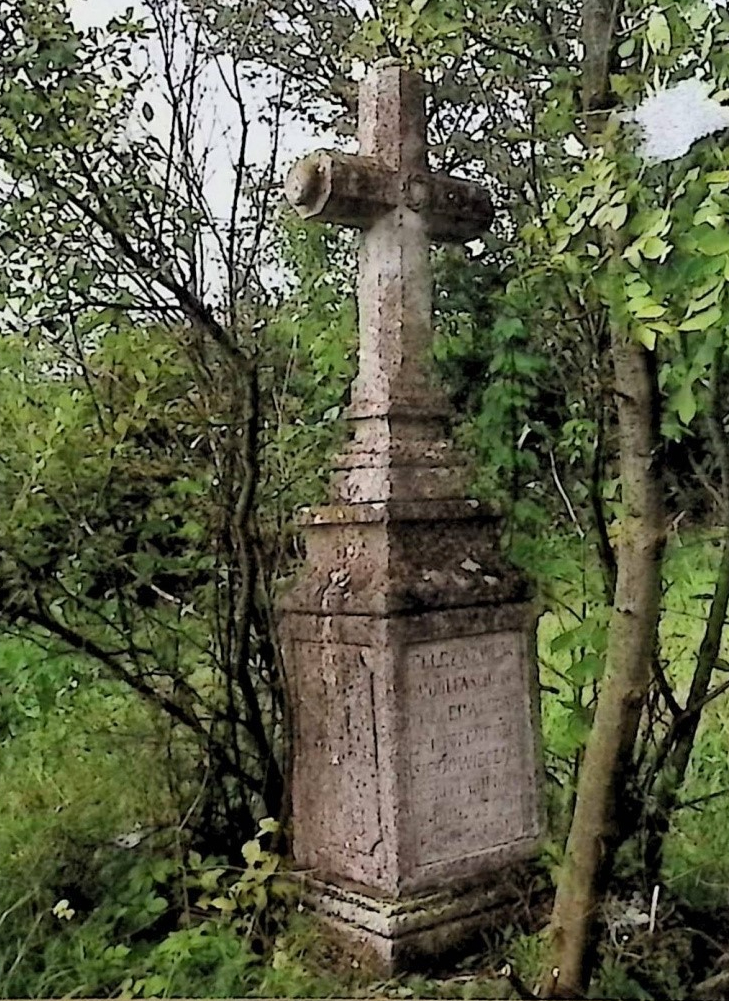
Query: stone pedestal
[[393, 934], [409, 642]]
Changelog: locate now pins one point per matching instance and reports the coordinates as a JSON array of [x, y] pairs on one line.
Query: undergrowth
[[103, 894]]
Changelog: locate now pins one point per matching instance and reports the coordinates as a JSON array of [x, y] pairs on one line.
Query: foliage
[[122, 936], [59, 822], [143, 393], [307, 362], [693, 880], [495, 382], [87, 821], [130, 467]]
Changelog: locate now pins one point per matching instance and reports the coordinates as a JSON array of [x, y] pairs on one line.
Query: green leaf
[[210, 879], [654, 247], [153, 986], [650, 312], [701, 321], [269, 826], [686, 402], [709, 213], [620, 84], [696, 15], [646, 336], [713, 242], [717, 177], [618, 216], [646, 308], [252, 852], [579, 723], [567, 640], [224, 904], [658, 33], [627, 48], [590, 668], [637, 289], [121, 425]]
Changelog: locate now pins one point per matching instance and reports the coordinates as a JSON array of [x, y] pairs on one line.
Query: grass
[[83, 763]]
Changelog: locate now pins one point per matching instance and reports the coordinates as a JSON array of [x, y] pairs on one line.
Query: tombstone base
[[396, 935], [409, 645]]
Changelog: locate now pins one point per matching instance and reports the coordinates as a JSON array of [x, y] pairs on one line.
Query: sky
[[673, 119], [220, 117], [298, 138]]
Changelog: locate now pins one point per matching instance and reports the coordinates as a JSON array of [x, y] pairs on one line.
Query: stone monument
[[408, 639]]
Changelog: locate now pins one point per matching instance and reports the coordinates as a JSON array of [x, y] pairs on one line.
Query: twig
[[702, 799], [563, 494]]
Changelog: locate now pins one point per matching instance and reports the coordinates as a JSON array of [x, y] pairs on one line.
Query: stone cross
[[408, 639], [388, 192]]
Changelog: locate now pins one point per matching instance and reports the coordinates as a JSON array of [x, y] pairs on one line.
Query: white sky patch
[[219, 137], [672, 120], [573, 147]]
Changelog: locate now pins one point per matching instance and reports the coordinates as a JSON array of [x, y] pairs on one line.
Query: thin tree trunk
[[604, 546], [598, 29], [679, 741], [633, 629], [711, 642], [631, 645]]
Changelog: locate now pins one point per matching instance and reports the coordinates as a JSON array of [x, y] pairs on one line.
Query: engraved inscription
[[338, 781], [470, 749]]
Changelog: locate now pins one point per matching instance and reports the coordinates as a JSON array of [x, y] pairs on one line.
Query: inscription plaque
[[470, 747]]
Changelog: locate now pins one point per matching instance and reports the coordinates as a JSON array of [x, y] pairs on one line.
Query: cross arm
[[356, 190]]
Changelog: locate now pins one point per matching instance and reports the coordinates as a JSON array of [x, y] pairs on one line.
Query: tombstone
[[408, 638]]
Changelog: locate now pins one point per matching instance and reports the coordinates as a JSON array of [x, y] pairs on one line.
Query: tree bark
[[632, 639], [673, 759], [598, 31]]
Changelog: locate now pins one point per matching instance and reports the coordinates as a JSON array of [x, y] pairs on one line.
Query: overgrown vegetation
[[100, 888], [172, 373]]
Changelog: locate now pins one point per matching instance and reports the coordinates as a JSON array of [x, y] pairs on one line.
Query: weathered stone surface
[[467, 747], [409, 639], [388, 192], [416, 747], [354, 190], [396, 557], [398, 458], [409, 643], [396, 934]]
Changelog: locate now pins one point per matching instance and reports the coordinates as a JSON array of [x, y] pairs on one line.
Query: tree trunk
[[631, 645], [675, 754], [633, 629], [598, 30]]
